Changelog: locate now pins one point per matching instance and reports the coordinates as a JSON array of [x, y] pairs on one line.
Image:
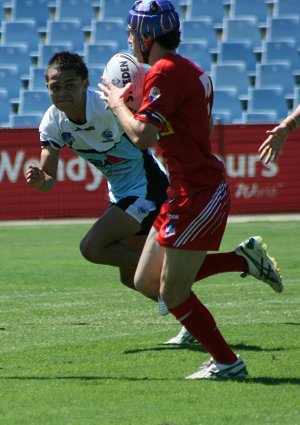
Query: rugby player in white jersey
[[79, 120]]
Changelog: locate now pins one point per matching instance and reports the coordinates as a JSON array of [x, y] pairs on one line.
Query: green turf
[[77, 348]]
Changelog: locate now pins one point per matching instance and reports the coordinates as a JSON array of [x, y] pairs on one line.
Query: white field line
[[232, 219]]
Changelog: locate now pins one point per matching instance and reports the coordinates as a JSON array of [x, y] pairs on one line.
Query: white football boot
[[261, 265], [184, 337], [218, 371]]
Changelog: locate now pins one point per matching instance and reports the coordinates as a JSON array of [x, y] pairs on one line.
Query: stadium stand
[[95, 73], [46, 51], [81, 10], [197, 51], [286, 8], [260, 117], [111, 9], [25, 120], [98, 54], [284, 28], [15, 55], [268, 100], [230, 75], [227, 106], [36, 79], [269, 75], [109, 29], [34, 101], [21, 31], [199, 30], [281, 51], [242, 30], [33, 9], [255, 8], [5, 109], [10, 80], [245, 46], [229, 52], [66, 31], [214, 10]]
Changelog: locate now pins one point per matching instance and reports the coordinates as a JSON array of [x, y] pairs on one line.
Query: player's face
[[67, 91], [135, 45]]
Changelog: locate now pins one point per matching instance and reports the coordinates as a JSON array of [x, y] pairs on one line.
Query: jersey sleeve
[[160, 97], [49, 131]]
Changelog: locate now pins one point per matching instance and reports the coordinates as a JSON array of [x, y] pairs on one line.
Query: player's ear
[[86, 83]]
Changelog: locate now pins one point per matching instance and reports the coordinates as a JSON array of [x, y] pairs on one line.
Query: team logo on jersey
[[68, 139], [170, 230], [107, 136], [154, 94]]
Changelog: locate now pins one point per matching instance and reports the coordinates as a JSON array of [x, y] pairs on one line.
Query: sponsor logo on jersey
[[154, 94], [170, 230], [107, 136], [68, 139]]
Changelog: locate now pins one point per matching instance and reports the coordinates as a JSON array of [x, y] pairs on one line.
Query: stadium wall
[[81, 189]]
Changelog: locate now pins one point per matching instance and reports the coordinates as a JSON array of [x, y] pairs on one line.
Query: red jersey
[[178, 98]]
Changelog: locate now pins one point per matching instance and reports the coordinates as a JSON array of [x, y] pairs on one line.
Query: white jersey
[[102, 142]]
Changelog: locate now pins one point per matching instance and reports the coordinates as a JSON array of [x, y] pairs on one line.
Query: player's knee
[[86, 251]]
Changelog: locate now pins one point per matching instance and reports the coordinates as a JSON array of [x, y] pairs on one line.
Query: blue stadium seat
[[15, 55], [107, 30], [24, 31], [75, 9], [110, 9], [10, 80], [260, 117], [46, 51], [256, 8], [66, 31], [95, 73], [277, 51], [231, 75], [213, 9], [5, 109], [227, 106], [269, 99], [37, 78], [282, 29], [33, 9], [242, 30], [198, 52], [286, 8], [199, 30], [2, 14], [98, 54], [34, 101], [25, 120], [275, 75], [237, 52], [296, 100]]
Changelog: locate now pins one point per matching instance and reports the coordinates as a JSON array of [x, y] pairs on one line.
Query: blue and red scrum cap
[[151, 19]]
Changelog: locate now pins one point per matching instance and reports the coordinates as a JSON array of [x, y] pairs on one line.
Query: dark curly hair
[[67, 61]]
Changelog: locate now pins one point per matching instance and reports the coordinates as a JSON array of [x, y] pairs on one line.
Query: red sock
[[221, 263], [200, 323]]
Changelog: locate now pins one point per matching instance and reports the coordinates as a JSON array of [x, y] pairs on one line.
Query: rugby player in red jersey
[[176, 108]]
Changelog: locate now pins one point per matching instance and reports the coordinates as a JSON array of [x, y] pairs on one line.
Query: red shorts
[[197, 222]]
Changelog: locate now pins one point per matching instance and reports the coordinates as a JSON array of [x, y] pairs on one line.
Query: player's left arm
[[142, 134]]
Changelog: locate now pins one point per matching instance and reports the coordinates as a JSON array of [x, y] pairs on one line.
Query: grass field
[[77, 348]]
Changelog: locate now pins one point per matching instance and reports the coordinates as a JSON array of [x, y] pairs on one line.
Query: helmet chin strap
[[147, 53]]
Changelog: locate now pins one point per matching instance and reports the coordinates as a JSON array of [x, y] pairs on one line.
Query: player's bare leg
[[112, 241]]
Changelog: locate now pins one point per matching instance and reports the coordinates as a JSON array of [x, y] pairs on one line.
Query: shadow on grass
[[258, 380], [197, 347]]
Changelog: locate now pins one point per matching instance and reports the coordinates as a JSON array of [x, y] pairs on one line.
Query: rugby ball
[[123, 68]]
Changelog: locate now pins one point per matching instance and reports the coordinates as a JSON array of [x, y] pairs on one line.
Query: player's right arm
[[43, 178]]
